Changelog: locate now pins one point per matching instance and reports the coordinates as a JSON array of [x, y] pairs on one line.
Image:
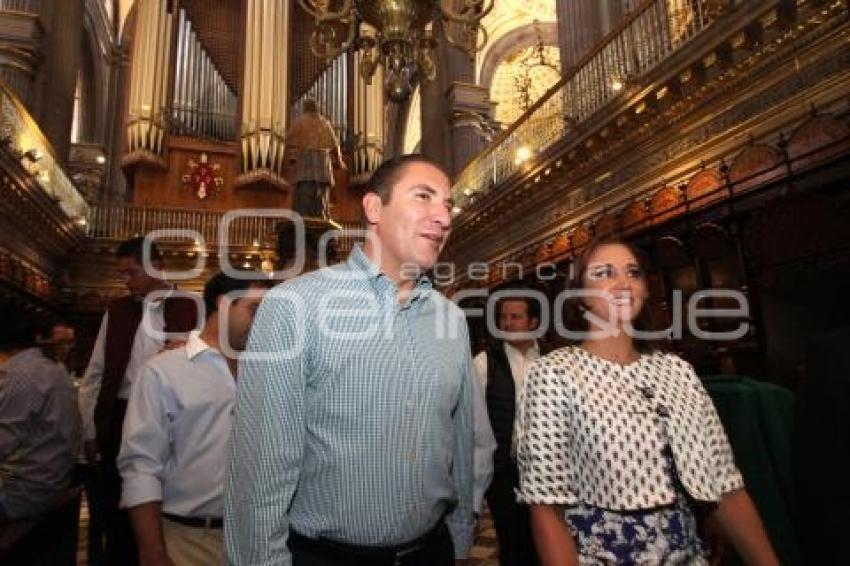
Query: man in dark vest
[[501, 369], [130, 334]]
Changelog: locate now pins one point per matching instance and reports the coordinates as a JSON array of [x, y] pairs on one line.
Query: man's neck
[[210, 336], [404, 285]]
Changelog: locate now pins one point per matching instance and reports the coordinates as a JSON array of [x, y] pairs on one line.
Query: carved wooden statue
[[314, 142]]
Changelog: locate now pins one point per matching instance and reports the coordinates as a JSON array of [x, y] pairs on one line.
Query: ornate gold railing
[[122, 222], [646, 37], [21, 135]]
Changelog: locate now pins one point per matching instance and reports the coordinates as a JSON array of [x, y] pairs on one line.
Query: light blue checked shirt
[[353, 417]]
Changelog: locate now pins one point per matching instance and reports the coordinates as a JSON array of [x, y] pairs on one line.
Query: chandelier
[[533, 58], [397, 35]]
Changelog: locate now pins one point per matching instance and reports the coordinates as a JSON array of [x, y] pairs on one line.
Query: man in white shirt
[[500, 369], [177, 428], [126, 340]]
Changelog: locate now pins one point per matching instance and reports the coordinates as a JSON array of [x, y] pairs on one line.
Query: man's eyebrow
[[431, 191]]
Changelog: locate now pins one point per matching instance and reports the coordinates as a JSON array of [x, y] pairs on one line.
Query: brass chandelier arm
[[342, 14], [328, 50], [472, 13]]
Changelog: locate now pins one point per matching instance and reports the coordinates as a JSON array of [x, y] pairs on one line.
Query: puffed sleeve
[[543, 437], [727, 476]]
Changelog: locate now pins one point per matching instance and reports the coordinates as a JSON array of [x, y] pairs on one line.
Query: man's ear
[[372, 207]]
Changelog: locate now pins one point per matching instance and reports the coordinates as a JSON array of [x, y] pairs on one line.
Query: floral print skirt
[[666, 535]]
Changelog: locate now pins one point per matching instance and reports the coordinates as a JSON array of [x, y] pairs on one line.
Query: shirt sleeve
[[544, 456], [728, 477], [90, 384], [267, 440], [18, 400], [461, 520], [485, 445], [145, 449]]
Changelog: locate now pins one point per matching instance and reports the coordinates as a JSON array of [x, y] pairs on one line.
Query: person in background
[[39, 422], [178, 422], [618, 442], [501, 369], [126, 340]]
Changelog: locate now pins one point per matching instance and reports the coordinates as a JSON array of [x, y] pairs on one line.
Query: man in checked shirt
[[353, 434]]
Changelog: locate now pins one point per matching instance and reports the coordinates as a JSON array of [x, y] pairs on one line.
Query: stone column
[[149, 82], [434, 108], [471, 113], [58, 75], [265, 88], [454, 108]]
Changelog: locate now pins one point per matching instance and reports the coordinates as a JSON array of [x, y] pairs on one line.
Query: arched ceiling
[[507, 15]]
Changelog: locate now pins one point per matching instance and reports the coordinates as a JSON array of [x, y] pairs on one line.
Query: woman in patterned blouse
[[616, 442]]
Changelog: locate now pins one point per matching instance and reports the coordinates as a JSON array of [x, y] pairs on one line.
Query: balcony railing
[[646, 38], [23, 137], [120, 223]]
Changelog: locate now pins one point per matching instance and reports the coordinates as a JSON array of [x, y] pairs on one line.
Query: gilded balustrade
[[647, 37], [21, 135]]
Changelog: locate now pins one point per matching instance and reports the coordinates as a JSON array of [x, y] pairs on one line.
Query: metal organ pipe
[[203, 104]]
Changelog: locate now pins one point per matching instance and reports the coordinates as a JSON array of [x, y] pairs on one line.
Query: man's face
[[137, 281], [62, 341], [240, 316], [513, 317], [413, 227]]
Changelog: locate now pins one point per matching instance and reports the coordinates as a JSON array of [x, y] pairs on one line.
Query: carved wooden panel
[[581, 236], [662, 205], [820, 138], [605, 226], [561, 245], [543, 253], [710, 241], [670, 252], [704, 188], [633, 216], [754, 166]]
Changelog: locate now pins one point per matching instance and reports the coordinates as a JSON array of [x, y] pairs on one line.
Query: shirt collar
[[535, 348], [359, 261], [159, 301], [195, 346]]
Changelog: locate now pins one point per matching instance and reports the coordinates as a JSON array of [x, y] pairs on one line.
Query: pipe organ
[[264, 94], [203, 104], [369, 123], [146, 125]]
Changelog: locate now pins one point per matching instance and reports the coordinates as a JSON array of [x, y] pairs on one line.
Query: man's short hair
[[532, 305], [388, 172], [221, 284], [135, 248]]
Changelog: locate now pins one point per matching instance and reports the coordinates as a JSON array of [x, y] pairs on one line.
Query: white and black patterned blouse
[[595, 432]]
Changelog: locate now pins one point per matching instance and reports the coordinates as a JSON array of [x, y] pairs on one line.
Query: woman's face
[[616, 284]]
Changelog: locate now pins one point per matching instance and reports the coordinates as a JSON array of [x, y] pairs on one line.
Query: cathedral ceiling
[[508, 15]]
